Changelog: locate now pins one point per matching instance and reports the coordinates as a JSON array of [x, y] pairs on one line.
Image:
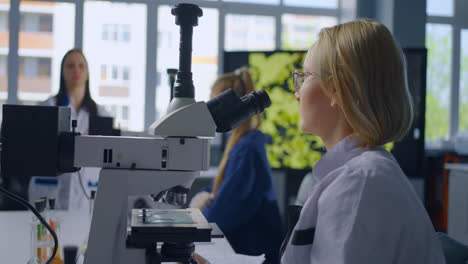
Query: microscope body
[[141, 166]]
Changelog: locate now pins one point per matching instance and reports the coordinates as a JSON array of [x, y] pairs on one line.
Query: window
[[300, 31], [439, 45], [3, 78], [247, 32], [45, 23], [267, 2], [447, 94], [36, 23], [126, 33], [3, 66], [440, 7], [3, 21], [44, 67], [4, 43], [313, 3], [103, 72], [34, 78], [31, 67], [115, 32], [105, 32], [28, 67], [126, 73], [122, 67], [463, 112], [115, 72], [125, 112], [40, 51]]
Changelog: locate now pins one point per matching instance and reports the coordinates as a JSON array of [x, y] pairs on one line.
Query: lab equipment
[[169, 160], [55, 223], [40, 241], [69, 253], [102, 125]]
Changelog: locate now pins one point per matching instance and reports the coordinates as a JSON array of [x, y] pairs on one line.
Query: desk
[[15, 246], [458, 202]]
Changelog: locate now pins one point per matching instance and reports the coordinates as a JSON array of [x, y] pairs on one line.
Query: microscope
[[38, 140]]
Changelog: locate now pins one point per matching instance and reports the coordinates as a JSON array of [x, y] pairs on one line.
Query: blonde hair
[[364, 64], [241, 82]]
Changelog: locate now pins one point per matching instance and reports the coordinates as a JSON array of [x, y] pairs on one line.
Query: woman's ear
[[333, 102], [334, 96]]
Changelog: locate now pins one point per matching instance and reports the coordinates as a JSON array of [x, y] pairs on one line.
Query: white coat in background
[[362, 210], [68, 191]]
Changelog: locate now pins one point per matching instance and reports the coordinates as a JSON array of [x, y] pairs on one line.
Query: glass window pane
[[439, 45], [300, 31], [439, 7], [266, 2], [313, 3], [247, 32], [4, 42], [115, 46], [204, 55], [463, 113], [46, 33]]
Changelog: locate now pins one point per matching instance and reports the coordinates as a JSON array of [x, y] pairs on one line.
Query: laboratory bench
[[15, 239]]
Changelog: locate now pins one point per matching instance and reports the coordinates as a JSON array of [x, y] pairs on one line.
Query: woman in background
[[74, 92], [242, 200]]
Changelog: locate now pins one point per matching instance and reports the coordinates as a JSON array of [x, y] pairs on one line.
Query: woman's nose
[[296, 95]]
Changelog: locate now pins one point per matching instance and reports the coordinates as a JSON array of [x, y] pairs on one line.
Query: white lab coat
[[68, 191], [362, 210]]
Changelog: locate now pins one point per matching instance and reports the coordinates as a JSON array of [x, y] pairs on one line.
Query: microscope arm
[[151, 153]]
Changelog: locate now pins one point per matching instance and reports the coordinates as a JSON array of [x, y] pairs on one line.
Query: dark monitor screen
[[102, 125]]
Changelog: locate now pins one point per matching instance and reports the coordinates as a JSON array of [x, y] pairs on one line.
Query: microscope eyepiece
[[260, 100], [229, 110]]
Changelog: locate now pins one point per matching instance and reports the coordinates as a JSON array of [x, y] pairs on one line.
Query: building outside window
[[47, 32], [119, 58], [249, 32], [299, 32]]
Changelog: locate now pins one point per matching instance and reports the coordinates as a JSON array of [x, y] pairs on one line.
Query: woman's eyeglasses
[[299, 78]]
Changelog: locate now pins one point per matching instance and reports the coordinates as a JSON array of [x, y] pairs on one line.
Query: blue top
[[245, 207]]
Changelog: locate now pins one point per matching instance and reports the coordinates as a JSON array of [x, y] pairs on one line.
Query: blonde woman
[[353, 94], [242, 200]]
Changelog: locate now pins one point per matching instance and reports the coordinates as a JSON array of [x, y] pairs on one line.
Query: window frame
[[458, 22]]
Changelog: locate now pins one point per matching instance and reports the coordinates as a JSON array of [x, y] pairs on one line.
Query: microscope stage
[[161, 225]]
